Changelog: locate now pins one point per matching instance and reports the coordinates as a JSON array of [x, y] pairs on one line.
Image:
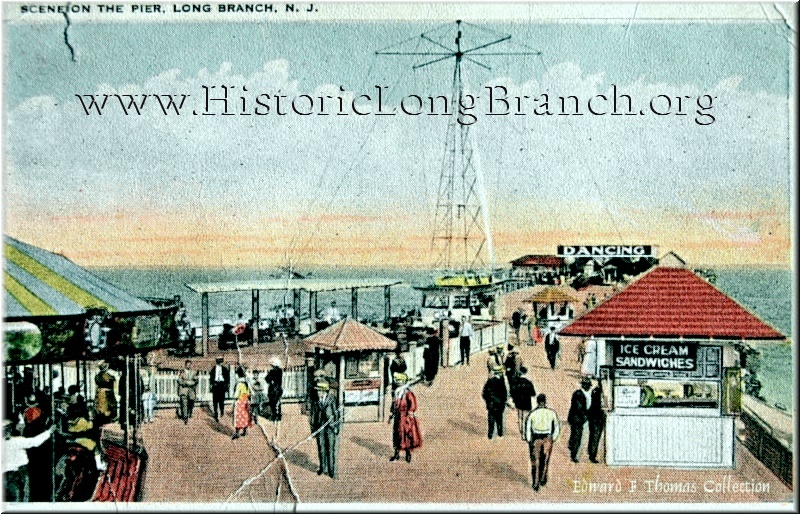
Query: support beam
[[204, 321], [296, 307], [354, 303], [256, 315], [387, 304], [312, 309]]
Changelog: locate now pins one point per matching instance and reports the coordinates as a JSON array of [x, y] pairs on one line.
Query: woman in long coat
[[242, 417], [105, 402], [406, 432]]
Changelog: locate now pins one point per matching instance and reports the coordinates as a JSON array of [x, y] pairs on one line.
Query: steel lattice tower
[[461, 225]]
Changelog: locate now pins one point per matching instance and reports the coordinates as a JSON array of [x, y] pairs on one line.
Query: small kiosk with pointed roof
[[353, 359], [668, 356]]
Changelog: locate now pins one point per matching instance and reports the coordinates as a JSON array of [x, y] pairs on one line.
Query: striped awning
[[41, 283]]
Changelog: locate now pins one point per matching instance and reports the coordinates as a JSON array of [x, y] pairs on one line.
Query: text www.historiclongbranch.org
[[494, 101]]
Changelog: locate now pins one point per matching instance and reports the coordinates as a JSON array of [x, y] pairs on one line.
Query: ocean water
[[767, 293]]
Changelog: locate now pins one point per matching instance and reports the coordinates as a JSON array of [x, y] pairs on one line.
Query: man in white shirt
[[542, 428], [332, 314], [15, 462], [466, 333]]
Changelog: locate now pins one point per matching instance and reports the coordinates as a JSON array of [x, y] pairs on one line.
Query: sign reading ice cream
[[660, 356]]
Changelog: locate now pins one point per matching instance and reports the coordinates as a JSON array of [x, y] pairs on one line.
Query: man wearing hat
[[512, 362], [542, 428], [187, 391], [219, 378], [552, 347], [40, 458], [274, 380], [324, 421], [495, 395], [406, 434], [431, 355], [522, 393], [494, 359], [578, 415]]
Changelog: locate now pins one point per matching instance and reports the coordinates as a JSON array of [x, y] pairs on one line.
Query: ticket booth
[[668, 357], [352, 357]]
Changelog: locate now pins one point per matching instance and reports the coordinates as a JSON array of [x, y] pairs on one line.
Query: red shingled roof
[[349, 335], [550, 261], [669, 302]]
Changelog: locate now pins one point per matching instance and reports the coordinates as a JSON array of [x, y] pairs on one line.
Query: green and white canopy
[[39, 283]]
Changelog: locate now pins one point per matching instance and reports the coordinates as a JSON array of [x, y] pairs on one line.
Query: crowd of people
[[51, 448], [257, 393], [253, 396]]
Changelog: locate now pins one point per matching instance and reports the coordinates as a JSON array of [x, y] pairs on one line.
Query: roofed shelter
[[57, 311], [668, 356], [295, 285], [65, 301], [352, 357], [549, 314]]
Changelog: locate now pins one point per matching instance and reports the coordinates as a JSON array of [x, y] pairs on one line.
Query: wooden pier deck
[[198, 462]]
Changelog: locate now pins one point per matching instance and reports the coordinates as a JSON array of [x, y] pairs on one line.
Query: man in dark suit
[[324, 420], [522, 392], [552, 347], [219, 378], [578, 415], [495, 395], [597, 421]]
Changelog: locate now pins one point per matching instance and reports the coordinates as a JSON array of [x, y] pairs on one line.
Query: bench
[[121, 480]]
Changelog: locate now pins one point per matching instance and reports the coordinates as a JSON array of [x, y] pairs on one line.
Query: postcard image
[[356, 256]]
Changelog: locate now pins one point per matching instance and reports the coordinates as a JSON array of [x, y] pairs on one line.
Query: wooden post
[[387, 304], [296, 307], [354, 303], [204, 321], [255, 309], [312, 309], [341, 385]]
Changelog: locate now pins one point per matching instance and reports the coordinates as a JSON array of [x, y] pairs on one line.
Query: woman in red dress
[[406, 434], [242, 417]]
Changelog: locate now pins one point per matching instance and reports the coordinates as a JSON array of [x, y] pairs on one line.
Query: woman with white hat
[[406, 434]]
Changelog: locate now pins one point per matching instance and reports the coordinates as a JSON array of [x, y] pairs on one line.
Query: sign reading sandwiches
[[653, 355]]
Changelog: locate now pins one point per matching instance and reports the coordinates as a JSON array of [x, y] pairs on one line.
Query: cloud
[[559, 172]]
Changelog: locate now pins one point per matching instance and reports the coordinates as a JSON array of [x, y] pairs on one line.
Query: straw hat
[[400, 378], [322, 386], [87, 443], [275, 361]]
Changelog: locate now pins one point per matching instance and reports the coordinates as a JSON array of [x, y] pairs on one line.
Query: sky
[[156, 190]]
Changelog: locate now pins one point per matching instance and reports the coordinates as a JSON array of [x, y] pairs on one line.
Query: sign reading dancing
[[605, 251]]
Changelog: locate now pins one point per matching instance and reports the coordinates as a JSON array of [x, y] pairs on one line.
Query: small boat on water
[[465, 280], [454, 296]]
